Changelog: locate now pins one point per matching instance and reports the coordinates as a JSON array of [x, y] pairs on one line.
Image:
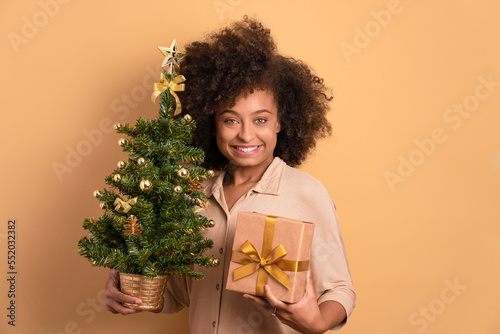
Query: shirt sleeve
[[176, 295], [329, 266]]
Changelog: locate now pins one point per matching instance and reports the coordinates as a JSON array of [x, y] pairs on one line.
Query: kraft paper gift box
[[270, 250]]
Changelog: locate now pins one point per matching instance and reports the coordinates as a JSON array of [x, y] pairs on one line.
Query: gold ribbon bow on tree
[[269, 262], [173, 86], [124, 206], [203, 205]]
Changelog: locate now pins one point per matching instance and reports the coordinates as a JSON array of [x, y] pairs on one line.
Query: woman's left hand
[[304, 316]]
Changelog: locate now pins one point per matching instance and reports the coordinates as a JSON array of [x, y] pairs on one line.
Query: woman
[[258, 114]]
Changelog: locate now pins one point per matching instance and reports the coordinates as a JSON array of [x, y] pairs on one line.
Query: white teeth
[[246, 149]]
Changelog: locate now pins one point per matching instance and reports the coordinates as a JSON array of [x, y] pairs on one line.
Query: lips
[[246, 149]]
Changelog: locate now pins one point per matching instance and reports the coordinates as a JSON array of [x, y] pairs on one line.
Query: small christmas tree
[[152, 223]]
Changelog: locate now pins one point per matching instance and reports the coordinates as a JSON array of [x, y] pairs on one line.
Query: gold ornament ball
[[122, 141], [103, 206], [188, 118], [178, 189], [117, 177], [211, 223], [96, 193], [117, 126], [210, 173], [146, 185], [141, 161], [183, 172], [215, 262], [120, 164]]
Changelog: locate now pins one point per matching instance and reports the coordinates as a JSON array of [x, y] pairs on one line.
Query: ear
[[278, 125]]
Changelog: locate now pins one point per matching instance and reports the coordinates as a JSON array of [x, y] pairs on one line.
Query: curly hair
[[242, 58]]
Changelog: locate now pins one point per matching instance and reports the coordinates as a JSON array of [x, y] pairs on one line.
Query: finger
[[275, 302], [113, 293], [115, 307], [257, 300], [310, 284], [123, 298], [115, 298], [310, 293]]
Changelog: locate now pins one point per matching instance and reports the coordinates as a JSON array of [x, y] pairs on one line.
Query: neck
[[244, 175]]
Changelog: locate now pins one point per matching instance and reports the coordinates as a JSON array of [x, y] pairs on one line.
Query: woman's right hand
[[114, 298]]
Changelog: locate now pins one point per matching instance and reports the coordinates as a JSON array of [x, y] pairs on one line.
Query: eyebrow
[[230, 111]]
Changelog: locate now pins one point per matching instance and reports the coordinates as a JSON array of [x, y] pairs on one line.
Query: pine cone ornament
[[132, 226]]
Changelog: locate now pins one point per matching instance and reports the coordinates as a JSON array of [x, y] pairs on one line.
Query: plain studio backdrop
[[413, 165]]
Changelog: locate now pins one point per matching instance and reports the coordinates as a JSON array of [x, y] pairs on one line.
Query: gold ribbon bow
[[124, 206], [203, 205], [269, 262], [173, 86]]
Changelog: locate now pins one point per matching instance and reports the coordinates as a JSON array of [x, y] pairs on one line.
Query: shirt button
[[217, 286], [220, 251], [213, 324]]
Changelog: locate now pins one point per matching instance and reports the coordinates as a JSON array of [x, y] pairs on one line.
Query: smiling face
[[246, 132]]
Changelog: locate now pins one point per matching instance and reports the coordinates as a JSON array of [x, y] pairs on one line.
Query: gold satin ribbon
[[124, 206], [270, 262], [173, 86]]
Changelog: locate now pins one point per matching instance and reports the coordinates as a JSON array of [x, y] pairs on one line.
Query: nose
[[246, 133]]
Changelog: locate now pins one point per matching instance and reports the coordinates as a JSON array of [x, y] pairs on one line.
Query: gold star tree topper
[[172, 55]]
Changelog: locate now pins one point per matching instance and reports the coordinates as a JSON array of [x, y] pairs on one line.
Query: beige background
[[416, 183]]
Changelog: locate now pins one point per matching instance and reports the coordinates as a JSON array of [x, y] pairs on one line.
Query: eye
[[230, 121], [260, 120]]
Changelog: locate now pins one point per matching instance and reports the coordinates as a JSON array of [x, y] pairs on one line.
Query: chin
[[249, 162]]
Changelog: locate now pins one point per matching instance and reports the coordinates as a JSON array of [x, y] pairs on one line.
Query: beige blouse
[[282, 191]]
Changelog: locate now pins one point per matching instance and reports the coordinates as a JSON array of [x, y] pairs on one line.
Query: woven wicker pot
[[149, 290]]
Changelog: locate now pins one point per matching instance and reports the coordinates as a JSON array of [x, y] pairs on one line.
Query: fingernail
[[138, 301]]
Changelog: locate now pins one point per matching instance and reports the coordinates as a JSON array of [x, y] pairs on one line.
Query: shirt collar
[[270, 182]]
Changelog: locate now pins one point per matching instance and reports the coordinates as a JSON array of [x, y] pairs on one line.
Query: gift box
[[270, 250]]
